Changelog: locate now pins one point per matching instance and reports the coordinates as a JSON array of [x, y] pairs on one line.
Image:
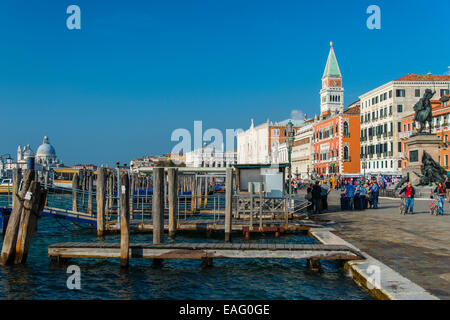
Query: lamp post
[[289, 144]]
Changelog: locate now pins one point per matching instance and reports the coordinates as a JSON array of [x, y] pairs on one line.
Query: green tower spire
[[332, 67]]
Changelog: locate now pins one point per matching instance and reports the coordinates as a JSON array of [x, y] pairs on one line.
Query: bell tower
[[332, 93]]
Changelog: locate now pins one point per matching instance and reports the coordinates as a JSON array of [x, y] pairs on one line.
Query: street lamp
[[289, 144]]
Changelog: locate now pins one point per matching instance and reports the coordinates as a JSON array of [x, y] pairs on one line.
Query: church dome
[[46, 149], [27, 152]]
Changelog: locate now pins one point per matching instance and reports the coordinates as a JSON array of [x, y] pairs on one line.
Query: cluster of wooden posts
[[29, 199], [157, 208]]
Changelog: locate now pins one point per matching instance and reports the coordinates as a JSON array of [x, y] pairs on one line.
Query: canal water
[[175, 279]]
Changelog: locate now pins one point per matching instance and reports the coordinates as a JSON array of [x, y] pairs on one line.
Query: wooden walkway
[[204, 251]]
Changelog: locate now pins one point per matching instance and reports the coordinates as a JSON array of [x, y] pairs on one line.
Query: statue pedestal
[[417, 144]]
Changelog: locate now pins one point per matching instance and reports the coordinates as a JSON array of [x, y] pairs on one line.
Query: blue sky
[[137, 70]]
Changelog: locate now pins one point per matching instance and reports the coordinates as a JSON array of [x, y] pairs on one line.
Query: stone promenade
[[417, 246]]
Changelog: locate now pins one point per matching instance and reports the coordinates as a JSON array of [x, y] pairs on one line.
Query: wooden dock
[[203, 251]]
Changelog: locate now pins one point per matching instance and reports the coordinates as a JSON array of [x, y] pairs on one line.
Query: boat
[[6, 186]]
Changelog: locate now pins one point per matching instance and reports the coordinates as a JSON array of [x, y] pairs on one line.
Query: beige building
[[381, 112], [261, 144], [302, 151]]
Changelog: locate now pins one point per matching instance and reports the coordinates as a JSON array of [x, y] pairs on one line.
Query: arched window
[[346, 133], [346, 153]]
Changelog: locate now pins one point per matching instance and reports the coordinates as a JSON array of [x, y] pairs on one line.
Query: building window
[[390, 110], [444, 92], [399, 108], [346, 153], [390, 94], [417, 93], [400, 92], [399, 126], [399, 147], [346, 133], [446, 160]]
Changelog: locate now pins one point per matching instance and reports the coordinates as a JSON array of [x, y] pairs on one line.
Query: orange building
[[440, 125], [336, 143]]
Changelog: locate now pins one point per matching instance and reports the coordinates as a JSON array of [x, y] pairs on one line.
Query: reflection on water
[[175, 279]]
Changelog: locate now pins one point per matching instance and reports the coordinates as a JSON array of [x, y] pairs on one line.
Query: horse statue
[[422, 110]]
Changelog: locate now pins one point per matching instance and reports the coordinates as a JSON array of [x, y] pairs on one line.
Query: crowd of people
[[357, 194]]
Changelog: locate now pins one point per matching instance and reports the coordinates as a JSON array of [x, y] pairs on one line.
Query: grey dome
[[45, 149], [27, 152]]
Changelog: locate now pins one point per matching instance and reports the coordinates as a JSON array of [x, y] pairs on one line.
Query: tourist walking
[[324, 195], [409, 195], [350, 194], [375, 189], [440, 191], [361, 189], [316, 193]]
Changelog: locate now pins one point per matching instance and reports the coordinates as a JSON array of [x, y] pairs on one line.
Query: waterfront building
[[209, 157], [440, 126], [46, 156], [302, 151], [44, 159], [261, 144], [176, 158], [336, 143], [382, 110]]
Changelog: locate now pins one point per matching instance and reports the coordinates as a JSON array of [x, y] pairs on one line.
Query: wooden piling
[[228, 203], [313, 264], [10, 239], [132, 188], [75, 183], [173, 199], [158, 205], [101, 200], [90, 181], [17, 178], [124, 219], [33, 205]]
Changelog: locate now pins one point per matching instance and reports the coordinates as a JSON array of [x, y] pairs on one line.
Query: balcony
[[391, 133], [385, 134], [404, 134]]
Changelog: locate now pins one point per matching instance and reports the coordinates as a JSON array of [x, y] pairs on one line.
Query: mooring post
[[205, 201], [75, 182], [132, 187], [173, 195], [33, 205], [10, 239], [101, 201], [90, 177], [228, 203], [17, 178], [193, 187], [158, 205], [158, 208], [124, 219], [313, 264]]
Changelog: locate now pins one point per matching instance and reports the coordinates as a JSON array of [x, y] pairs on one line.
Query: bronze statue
[[432, 172], [423, 110], [402, 182]]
